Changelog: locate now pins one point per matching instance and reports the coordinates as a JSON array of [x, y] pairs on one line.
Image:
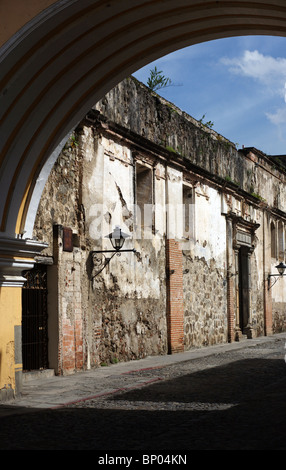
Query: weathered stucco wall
[[121, 313], [256, 180], [258, 278], [127, 301], [133, 106]]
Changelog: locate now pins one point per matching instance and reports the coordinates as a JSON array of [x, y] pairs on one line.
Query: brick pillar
[[175, 307], [68, 349], [72, 321], [230, 309], [70, 314], [267, 309], [78, 344]]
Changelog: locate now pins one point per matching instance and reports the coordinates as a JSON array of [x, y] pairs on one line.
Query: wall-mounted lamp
[[117, 239], [281, 268]]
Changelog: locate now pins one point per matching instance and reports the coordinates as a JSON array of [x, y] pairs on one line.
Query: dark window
[[144, 197]]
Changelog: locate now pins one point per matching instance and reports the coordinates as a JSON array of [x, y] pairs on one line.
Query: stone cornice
[[16, 256]]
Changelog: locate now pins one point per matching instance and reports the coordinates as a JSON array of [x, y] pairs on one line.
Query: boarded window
[[144, 196], [67, 239], [273, 239], [281, 240], [188, 205]]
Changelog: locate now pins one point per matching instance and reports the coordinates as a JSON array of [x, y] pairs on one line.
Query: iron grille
[[35, 320]]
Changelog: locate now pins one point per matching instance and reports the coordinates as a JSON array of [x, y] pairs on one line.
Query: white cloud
[[277, 118], [269, 71]]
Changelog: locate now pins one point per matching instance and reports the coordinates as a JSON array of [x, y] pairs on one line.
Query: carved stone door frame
[[242, 234]]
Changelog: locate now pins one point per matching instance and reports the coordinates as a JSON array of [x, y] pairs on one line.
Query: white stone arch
[[68, 56]]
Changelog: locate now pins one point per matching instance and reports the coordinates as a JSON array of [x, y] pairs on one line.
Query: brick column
[[70, 314], [175, 307], [267, 309], [230, 308]]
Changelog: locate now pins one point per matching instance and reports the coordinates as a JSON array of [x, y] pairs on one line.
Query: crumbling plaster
[[91, 189]]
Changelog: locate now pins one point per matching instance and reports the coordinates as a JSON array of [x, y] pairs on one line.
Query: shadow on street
[[240, 405]]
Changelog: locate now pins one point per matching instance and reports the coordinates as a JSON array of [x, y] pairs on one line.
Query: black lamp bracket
[[113, 251], [281, 268], [102, 263], [277, 277]]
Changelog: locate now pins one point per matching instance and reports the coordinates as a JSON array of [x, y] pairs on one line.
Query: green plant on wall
[[230, 180], [208, 124], [71, 143], [257, 196], [157, 80], [74, 142]]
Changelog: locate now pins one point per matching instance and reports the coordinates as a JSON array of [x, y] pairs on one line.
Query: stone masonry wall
[[60, 202], [128, 324], [278, 315], [205, 303]]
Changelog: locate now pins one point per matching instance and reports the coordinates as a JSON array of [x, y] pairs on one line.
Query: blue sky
[[239, 84]]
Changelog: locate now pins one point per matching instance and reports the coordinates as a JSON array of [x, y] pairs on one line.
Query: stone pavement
[[223, 397]]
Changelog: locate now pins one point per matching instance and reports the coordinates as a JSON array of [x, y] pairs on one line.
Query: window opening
[[144, 198], [281, 240], [188, 207], [273, 239]]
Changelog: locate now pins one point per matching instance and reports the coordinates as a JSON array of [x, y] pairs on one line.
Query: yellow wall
[[10, 317], [16, 14]]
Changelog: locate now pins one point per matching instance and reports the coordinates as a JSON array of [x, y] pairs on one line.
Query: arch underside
[[62, 62]]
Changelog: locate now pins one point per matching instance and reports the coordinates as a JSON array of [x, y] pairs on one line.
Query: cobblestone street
[[226, 400]]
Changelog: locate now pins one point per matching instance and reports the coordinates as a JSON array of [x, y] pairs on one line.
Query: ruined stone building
[[207, 222]]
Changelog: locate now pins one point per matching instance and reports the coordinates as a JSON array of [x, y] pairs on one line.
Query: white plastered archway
[[67, 57]]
